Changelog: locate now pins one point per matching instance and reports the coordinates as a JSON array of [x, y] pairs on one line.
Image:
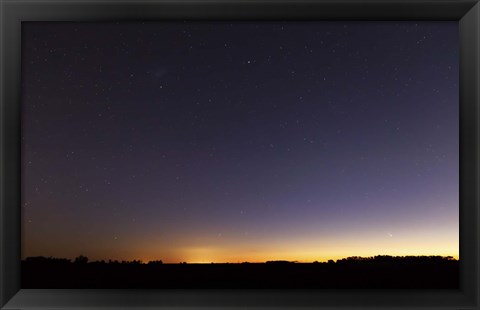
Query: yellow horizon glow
[[294, 242], [232, 250]]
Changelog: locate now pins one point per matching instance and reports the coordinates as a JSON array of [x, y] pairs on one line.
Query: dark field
[[378, 272]]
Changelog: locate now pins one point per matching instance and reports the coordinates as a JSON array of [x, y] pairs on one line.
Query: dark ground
[[378, 272]]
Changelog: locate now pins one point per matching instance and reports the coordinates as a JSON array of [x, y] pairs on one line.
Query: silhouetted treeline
[[82, 260], [382, 271], [352, 259], [399, 259]]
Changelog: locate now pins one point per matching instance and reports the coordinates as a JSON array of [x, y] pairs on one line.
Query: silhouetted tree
[[155, 262], [81, 259]]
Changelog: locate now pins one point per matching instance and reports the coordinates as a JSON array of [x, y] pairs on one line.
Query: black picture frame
[[14, 12]]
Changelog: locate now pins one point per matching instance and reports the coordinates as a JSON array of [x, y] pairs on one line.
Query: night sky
[[244, 141]]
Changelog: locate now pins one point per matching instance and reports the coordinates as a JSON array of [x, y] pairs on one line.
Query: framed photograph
[[239, 154]]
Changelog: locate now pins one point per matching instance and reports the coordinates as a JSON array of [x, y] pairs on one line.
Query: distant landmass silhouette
[[376, 272]]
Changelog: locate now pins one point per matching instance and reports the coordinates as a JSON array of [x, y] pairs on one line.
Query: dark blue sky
[[215, 141]]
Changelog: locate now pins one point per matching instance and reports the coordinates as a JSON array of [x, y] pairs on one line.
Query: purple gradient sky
[[246, 141]]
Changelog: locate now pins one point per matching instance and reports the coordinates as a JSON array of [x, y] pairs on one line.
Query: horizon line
[[453, 257]]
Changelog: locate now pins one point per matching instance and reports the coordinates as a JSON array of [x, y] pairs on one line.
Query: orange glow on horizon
[[290, 248]]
